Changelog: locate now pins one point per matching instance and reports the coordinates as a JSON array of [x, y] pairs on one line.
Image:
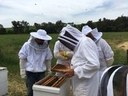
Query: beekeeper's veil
[[70, 37]]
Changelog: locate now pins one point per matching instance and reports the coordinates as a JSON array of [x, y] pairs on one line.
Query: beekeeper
[[62, 54], [106, 54], [84, 63], [35, 58]]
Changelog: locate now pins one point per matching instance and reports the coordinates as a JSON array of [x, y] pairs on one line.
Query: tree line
[[119, 24]]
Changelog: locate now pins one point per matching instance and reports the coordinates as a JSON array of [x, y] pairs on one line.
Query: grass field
[[10, 45]]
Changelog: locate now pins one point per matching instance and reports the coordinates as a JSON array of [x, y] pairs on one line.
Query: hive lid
[[3, 68]]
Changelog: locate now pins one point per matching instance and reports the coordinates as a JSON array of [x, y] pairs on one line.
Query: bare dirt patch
[[123, 45]]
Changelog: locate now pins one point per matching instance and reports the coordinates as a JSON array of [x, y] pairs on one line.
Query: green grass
[[11, 44], [114, 39]]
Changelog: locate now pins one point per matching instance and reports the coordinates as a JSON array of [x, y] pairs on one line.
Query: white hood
[[70, 37]]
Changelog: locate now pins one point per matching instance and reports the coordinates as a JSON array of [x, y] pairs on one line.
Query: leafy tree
[[2, 29], [37, 26], [20, 26], [91, 24], [25, 25], [104, 25], [59, 25]]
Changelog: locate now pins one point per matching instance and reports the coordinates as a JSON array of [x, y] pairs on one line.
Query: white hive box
[[3, 81], [63, 90]]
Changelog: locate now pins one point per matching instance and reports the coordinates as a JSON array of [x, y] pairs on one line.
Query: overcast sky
[[77, 11]]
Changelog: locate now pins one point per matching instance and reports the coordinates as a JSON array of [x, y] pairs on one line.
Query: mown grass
[[10, 45]]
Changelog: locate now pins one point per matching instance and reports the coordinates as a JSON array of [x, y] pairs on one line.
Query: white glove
[[64, 55], [69, 54], [110, 62], [60, 55], [48, 66], [22, 68], [22, 73]]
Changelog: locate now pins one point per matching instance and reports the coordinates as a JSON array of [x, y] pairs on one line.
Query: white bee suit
[[105, 54], [36, 55], [85, 61], [105, 51], [86, 79]]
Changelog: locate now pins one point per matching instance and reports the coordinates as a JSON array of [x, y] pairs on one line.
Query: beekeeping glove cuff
[[110, 62], [48, 66], [22, 68]]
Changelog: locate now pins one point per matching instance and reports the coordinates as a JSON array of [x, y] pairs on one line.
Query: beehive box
[[52, 86], [3, 81]]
